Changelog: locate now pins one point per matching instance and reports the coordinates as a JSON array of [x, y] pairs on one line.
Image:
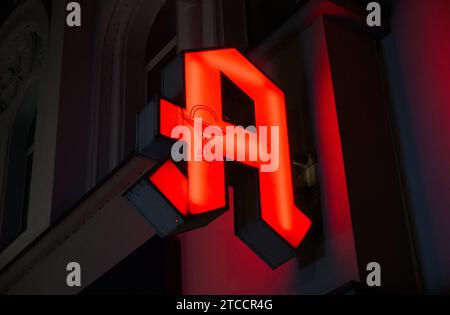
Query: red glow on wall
[[205, 183]]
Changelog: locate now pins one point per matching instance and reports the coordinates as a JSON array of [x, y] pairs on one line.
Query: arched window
[[14, 213]]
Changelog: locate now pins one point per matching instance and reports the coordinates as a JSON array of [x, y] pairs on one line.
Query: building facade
[[367, 113]]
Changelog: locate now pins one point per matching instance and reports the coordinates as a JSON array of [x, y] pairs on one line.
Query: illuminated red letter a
[[203, 190]]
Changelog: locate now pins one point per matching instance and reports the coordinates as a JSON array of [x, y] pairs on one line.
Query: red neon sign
[[204, 188]]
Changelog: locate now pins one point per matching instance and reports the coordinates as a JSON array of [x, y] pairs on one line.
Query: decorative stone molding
[[22, 56], [23, 37]]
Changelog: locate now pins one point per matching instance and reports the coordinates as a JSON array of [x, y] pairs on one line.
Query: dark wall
[[417, 54], [72, 151], [153, 268]]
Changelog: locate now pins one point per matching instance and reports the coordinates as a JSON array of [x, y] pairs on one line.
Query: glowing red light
[[204, 188]]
